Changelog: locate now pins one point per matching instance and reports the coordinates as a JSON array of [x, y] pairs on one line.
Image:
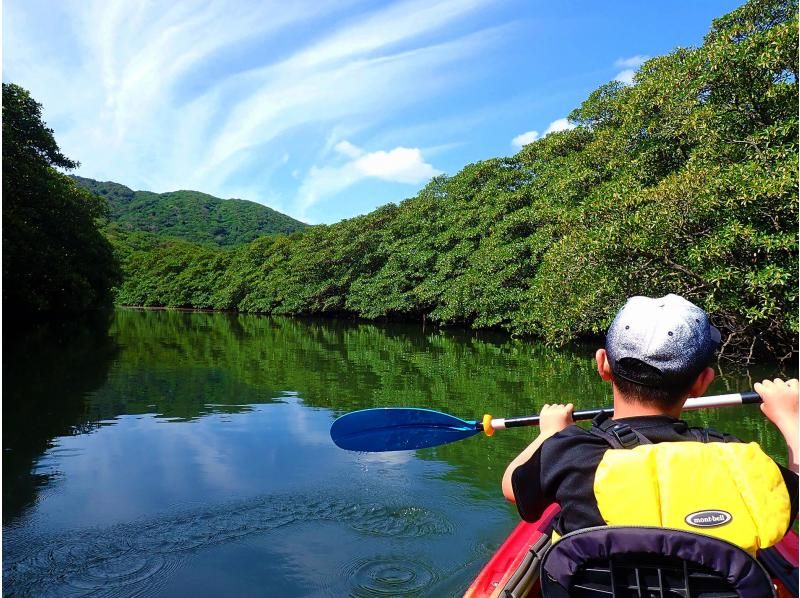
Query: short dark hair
[[649, 395]]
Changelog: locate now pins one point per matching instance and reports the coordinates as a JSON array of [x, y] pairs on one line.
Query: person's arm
[[553, 419], [780, 404]]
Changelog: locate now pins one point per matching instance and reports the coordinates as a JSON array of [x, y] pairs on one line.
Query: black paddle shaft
[[748, 398]]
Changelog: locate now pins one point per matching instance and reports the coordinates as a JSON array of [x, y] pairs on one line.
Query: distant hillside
[[190, 215]]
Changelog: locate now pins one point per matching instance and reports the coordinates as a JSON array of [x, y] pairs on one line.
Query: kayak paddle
[[400, 428]]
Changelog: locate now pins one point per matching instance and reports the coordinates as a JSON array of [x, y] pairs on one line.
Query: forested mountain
[[685, 181], [55, 260], [190, 215]]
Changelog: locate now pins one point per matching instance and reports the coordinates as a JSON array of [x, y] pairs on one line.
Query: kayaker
[[657, 354]]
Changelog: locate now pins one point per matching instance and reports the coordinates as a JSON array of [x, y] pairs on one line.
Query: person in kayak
[[657, 354]]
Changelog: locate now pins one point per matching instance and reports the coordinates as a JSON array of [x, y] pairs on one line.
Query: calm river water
[[188, 454]]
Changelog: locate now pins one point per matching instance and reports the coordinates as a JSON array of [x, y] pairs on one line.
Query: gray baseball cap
[[662, 342]]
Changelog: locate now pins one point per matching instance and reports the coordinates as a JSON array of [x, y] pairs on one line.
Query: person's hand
[[554, 418], [781, 402]]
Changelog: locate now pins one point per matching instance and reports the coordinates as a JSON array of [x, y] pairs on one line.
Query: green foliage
[[704, 148], [684, 182], [173, 273], [55, 260], [190, 215]]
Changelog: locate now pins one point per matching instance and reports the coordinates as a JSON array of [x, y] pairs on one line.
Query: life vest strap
[[617, 434], [706, 435], [620, 435]]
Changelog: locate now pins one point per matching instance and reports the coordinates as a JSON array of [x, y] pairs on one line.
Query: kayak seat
[[645, 562]]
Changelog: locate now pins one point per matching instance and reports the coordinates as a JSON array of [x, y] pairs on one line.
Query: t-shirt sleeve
[[530, 496], [561, 471]]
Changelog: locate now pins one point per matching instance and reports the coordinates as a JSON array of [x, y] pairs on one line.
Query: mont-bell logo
[[710, 518]]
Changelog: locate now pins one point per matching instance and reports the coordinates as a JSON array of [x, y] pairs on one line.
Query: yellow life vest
[[732, 491]]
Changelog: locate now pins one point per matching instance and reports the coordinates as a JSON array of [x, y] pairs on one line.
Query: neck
[[624, 407]]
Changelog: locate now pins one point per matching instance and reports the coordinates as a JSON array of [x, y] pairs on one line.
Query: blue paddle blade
[[398, 429]]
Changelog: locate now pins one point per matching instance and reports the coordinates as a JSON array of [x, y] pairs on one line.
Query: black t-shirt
[[563, 470]]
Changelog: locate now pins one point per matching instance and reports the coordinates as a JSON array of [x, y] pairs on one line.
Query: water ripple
[[405, 522], [124, 570], [132, 558], [388, 576]]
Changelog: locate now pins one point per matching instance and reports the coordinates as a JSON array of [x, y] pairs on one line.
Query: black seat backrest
[[645, 562]]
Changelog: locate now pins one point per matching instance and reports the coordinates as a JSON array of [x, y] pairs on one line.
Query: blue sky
[[325, 109]]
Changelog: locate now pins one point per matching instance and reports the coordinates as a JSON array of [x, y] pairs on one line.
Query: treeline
[[55, 260], [685, 182]]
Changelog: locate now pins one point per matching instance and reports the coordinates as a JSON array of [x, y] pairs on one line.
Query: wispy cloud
[[629, 66], [205, 94], [358, 90], [348, 149]]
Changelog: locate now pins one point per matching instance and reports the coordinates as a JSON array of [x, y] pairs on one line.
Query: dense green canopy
[[684, 182], [189, 215], [55, 260]]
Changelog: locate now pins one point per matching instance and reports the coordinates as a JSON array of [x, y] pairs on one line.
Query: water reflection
[[47, 372], [182, 366], [209, 468]]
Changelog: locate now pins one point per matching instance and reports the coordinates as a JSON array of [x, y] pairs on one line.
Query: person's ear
[[702, 382], [603, 367]]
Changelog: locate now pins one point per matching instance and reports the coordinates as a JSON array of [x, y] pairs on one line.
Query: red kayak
[[516, 558], [514, 568]]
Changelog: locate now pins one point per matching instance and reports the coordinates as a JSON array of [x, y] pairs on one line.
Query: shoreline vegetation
[[685, 181]]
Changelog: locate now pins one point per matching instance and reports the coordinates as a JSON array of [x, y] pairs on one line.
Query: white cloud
[[525, 138], [632, 62], [629, 66], [562, 124], [398, 165], [625, 76]]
